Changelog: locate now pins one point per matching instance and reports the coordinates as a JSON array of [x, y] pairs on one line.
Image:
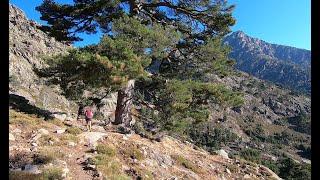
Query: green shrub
[[74, 130], [250, 155], [132, 151], [289, 169], [110, 167], [210, 137], [105, 149], [53, 174]]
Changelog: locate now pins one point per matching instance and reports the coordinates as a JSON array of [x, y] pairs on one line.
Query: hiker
[[80, 112], [88, 116]]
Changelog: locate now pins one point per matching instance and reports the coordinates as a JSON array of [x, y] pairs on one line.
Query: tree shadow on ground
[[21, 104]]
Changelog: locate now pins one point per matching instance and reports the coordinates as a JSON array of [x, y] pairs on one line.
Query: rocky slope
[[285, 65], [62, 150], [60, 147], [28, 47]]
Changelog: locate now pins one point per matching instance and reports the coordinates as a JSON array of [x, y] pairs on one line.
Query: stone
[[11, 137], [61, 117], [34, 149], [43, 131], [222, 153], [91, 138], [228, 171], [31, 169], [51, 142], [247, 176], [91, 166], [34, 144], [65, 172], [35, 137], [60, 131], [307, 161], [18, 131], [71, 144]]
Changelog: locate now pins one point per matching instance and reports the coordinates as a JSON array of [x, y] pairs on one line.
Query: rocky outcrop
[[28, 46], [28, 49], [288, 66]]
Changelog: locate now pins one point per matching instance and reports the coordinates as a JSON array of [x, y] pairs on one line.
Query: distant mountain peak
[[278, 63]]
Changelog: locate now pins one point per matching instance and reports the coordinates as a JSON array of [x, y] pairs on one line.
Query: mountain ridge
[[285, 65]]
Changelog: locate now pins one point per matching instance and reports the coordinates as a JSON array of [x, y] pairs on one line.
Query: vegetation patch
[[65, 138], [186, 163], [25, 120], [132, 151], [18, 175], [46, 138], [109, 166], [47, 155], [106, 150], [52, 173], [74, 130], [56, 121], [250, 155]]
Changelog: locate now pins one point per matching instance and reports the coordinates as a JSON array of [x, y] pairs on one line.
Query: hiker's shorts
[[88, 119]]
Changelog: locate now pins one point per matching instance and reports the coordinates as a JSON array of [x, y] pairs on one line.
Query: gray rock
[[11, 137], [61, 117], [65, 172], [222, 153], [18, 131], [60, 131], [247, 176], [43, 131], [71, 144], [228, 171], [91, 138], [31, 169], [34, 144], [307, 161]]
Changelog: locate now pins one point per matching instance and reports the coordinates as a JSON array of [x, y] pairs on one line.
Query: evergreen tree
[[183, 35], [201, 24], [112, 64]]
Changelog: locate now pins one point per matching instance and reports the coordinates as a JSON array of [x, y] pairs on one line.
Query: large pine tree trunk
[[124, 103]]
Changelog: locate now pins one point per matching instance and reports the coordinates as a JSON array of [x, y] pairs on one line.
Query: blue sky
[[285, 22]]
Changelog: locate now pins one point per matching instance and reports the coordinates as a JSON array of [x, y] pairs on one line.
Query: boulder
[[222, 153], [91, 138], [31, 169], [43, 131], [11, 137]]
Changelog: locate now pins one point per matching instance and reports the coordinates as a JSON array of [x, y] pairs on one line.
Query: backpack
[[89, 113]]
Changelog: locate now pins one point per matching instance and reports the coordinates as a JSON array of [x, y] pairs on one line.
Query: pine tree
[[114, 63], [183, 35]]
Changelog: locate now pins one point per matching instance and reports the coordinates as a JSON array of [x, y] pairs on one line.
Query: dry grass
[[53, 173], [65, 138], [47, 155], [132, 151], [18, 175], [186, 163], [44, 139], [56, 122], [106, 150], [74, 130], [25, 120], [110, 167]]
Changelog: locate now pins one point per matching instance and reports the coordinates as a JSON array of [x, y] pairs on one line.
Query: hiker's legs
[[90, 125]]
